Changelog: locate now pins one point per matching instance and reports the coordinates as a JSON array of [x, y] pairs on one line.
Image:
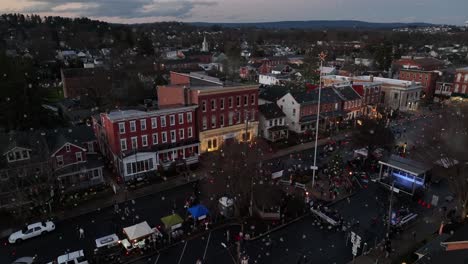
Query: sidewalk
[[109, 200]]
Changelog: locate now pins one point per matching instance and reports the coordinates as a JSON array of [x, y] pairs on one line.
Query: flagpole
[[314, 169]]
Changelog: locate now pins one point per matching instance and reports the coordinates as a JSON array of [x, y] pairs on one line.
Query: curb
[[57, 219]]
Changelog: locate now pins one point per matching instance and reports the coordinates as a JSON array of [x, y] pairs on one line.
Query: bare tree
[[235, 169], [448, 133]]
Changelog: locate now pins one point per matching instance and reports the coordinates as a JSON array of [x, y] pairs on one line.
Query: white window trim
[[143, 124], [122, 125], [79, 154], [123, 147], [181, 133], [204, 106], [189, 132], [213, 104], [173, 132], [144, 139], [221, 103], [181, 118], [164, 137], [60, 160], [172, 120], [189, 117], [136, 140], [232, 102], [132, 124], [155, 136], [67, 147], [154, 122]]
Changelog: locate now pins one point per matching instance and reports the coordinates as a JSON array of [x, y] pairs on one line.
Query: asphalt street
[[97, 224]]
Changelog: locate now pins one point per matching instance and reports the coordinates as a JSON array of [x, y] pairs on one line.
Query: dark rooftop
[[270, 111]]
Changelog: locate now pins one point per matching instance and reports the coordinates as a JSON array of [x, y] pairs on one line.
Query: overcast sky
[[132, 11]]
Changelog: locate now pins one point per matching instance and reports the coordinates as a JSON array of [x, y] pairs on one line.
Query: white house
[[272, 124], [272, 79]]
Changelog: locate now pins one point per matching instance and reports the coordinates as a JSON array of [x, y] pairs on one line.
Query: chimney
[[187, 98]]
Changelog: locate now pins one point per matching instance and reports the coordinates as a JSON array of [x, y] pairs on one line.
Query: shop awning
[[138, 231], [198, 211], [172, 221]]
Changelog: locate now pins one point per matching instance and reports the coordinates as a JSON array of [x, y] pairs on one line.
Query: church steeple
[[204, 45]]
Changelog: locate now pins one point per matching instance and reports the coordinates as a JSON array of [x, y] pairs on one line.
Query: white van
[[76, 257]]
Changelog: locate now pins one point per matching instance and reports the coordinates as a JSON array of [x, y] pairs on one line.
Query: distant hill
[[317, 24]]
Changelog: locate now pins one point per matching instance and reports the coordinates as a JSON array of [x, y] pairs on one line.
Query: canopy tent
[[198, 211], [173, 221], [138, 231]]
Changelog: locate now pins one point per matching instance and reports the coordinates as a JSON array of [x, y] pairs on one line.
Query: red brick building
[[460, 84], [428, 79], [371, 96], [138, 142], [223, 112], [79, 82]]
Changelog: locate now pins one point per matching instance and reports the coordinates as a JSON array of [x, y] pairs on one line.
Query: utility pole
[[322, 57]]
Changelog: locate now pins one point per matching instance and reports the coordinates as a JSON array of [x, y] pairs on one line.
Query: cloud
[[118, 8]]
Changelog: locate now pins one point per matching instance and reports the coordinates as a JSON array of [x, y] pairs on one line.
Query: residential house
[[224, 113], [36, 163], [351, 101], [301, 108], [273, 79], [138, 142], [271, 94], [272, 123], [460, 87], [74, 158], [370, 93]]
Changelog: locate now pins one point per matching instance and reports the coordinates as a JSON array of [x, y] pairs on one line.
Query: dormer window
[[67, 147]]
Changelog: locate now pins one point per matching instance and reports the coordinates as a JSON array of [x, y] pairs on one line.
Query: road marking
[[183, 251], [206, 247], [157, 259]]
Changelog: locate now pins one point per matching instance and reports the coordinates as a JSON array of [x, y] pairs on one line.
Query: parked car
[[31, 230], [76, 257], [25, 260]]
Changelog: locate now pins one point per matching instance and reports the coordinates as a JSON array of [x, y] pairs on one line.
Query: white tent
[[138, 231]]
